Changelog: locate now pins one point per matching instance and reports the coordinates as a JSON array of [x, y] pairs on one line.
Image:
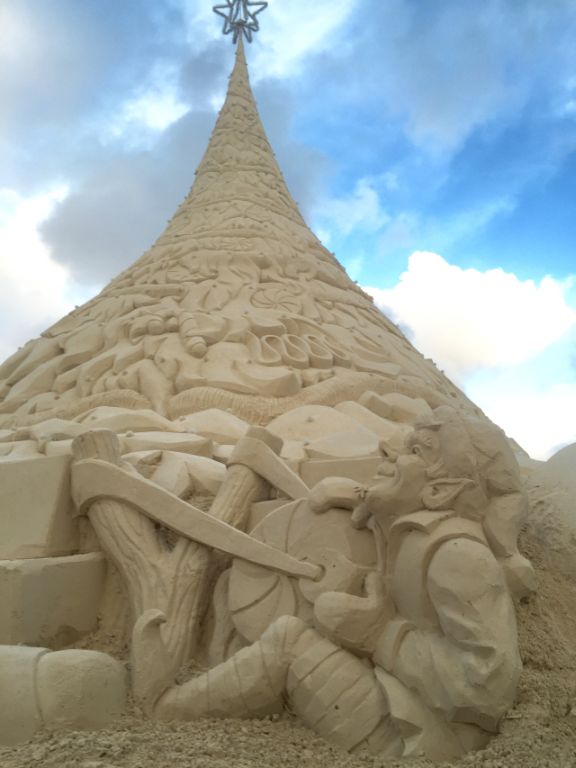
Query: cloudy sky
[[431, 146]]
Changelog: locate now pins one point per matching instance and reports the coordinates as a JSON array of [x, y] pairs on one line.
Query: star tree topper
[[240, 18]]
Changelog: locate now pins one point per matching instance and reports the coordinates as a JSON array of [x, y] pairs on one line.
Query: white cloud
[[541, 420], [361, 210], [155, 110], [467, 320], [291, 31], [199, 23], [480, 327], [150, 109], [34, 290]]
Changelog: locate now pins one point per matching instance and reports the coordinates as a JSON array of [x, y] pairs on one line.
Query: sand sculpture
[[231, 456]]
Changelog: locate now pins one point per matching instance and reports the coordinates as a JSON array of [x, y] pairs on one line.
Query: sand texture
[[540, 732]]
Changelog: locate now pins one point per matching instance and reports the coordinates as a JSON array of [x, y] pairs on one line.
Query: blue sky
[[431, 146]]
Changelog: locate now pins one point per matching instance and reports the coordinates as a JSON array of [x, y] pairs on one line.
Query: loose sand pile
[[540, 732], [542, 743]]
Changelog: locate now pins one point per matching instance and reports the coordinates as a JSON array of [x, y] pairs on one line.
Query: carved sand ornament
[[292, 495]]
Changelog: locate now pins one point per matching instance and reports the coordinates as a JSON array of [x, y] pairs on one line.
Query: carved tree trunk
[[154, 575], [175, 580], [243, 486]]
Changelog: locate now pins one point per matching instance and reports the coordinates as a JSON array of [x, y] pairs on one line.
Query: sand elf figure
[[424, 661]]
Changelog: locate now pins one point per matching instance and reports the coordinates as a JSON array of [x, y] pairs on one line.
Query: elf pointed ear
[[441, 493]]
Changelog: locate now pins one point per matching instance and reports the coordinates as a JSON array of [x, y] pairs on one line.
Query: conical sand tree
[[237, 305]]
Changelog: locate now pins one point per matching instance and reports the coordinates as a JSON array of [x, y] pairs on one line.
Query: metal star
[[239, 19]]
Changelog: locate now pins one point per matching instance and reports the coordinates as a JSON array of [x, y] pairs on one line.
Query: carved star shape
[[240, 17]]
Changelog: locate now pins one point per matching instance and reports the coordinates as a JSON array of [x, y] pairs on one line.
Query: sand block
[[80, 689], [125, 419], [396, 407], [345, 445], [50, 601], [54, 436], [145, 462], [72, 689], [391, 432], [293, 450], [19, 714], [168, 441], [215, 424], [58, 448], [223, 453], [206, 474], [179, 473], [18, 450], [310, 422], [293, 454], [361, 470], [56, 429], [36, 508]]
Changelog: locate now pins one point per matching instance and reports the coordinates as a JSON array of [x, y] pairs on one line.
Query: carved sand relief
[[394, 572], [155, 329], [357, 558]]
